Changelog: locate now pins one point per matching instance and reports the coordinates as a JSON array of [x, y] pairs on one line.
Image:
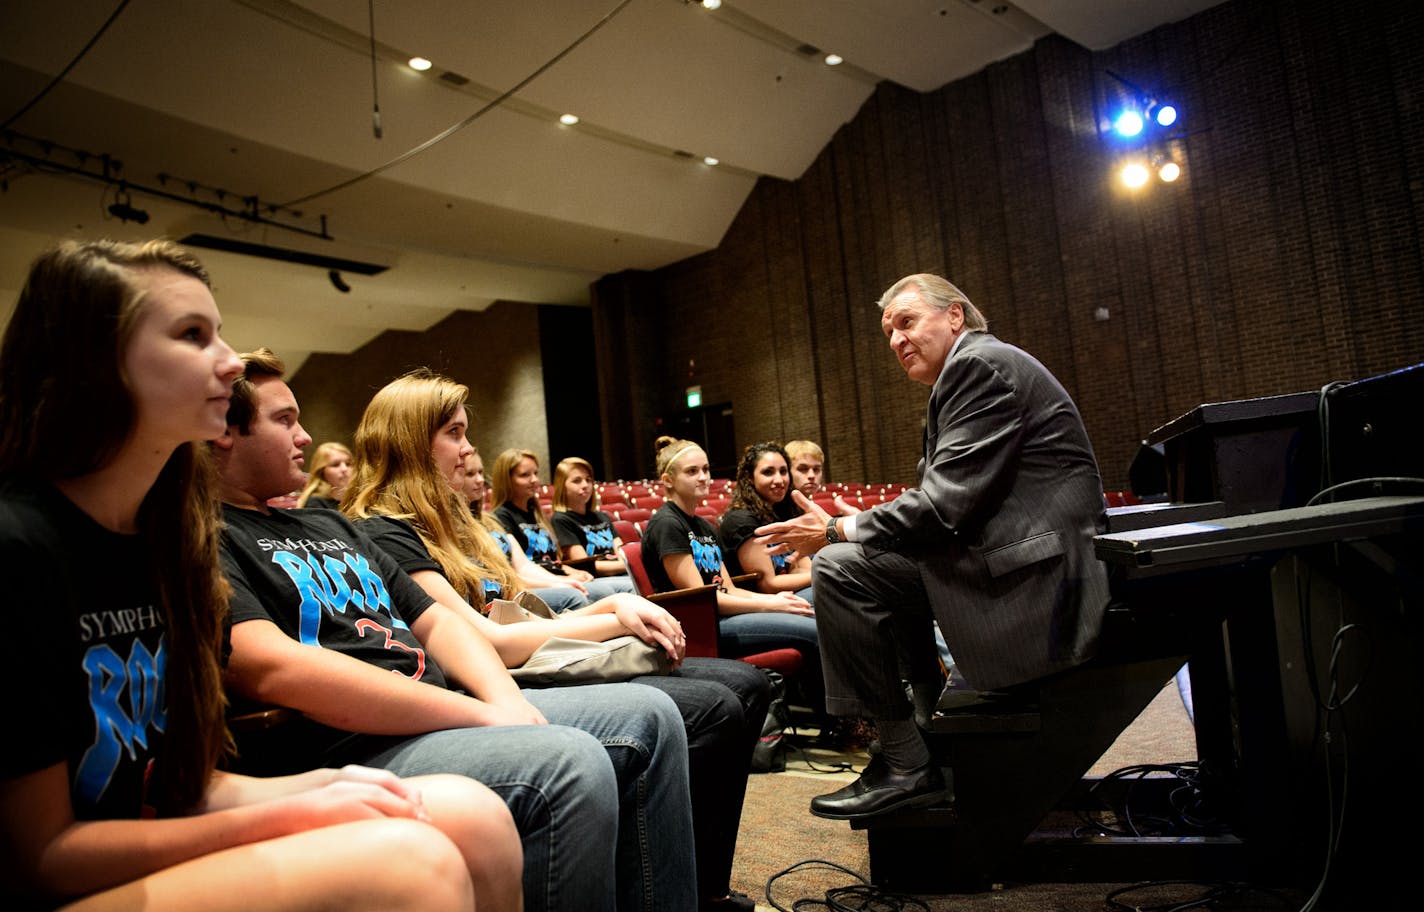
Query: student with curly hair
[[763, 481]]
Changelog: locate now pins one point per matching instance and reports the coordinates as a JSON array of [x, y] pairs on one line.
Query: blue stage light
[[1165, 115], [1128, 123]]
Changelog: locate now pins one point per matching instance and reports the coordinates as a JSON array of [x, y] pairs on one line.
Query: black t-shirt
[[591, 531], [534, 540], [85, 668], [672, 531], [736, 527], [399, 539], [325, 584]]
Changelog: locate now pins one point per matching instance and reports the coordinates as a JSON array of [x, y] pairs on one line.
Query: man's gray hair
[[940, 292]]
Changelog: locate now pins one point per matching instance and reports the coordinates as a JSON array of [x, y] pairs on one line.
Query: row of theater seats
[[635, 501]]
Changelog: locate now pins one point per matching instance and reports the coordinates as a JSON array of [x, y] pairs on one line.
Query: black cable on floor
[[859, 897], [1189, 804]]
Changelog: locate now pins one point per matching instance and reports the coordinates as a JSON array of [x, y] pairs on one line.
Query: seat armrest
[[696, 610]]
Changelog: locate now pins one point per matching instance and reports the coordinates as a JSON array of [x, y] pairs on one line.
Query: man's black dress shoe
[[880, 789]]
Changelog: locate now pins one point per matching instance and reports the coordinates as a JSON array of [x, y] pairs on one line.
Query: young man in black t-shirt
[[324, 622]]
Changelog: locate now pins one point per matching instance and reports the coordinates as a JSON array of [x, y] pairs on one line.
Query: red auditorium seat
[[626, 531], [696, 610]]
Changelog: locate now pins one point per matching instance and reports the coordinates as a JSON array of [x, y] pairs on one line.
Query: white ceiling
[[273, 98]]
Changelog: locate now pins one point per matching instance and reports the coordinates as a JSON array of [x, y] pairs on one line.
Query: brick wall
[[1288, 255]]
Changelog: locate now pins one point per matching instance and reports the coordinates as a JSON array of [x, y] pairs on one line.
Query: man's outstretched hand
[[806, 534]]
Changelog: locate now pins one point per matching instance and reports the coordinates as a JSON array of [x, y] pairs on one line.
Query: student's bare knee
[[408, 852]]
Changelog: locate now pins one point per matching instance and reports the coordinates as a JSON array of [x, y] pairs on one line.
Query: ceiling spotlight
[[710, 161], [1164, 114], [338, 282], [1128, 123], [568, 120], [1134, 175], [711, 4], [834, 60], [1169, 172], [420, 63]]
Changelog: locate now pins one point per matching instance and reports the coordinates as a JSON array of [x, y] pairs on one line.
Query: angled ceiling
[[273, 99]]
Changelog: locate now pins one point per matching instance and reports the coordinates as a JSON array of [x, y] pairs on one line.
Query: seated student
[[762, 484], [330, 473], [806, 461], [111, 371], [408, 496], [502, 557], [581, 529], [680, 551], [599, 797], [515, 488]]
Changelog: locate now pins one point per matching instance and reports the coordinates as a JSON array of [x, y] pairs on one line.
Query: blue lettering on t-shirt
[[706, 555], [377, 598], [323, 588], [780, 564], [600, 540], [500, 540], [339, 595], [119, 723], [538, 544]]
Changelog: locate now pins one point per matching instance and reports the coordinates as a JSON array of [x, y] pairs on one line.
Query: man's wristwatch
[[832, 536]]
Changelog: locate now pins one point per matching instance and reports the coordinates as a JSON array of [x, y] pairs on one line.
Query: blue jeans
[[561, 598], [746, 634], [723, 704], [602, 788], [603, 586]]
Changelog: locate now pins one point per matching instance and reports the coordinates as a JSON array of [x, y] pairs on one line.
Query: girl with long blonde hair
[[584, 531], [330, 474], [514, 481], [409, 496]]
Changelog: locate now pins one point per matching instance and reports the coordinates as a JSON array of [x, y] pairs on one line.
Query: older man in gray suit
[[995, 543]]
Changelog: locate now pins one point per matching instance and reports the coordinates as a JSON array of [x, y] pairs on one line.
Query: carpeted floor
[[778, 831]]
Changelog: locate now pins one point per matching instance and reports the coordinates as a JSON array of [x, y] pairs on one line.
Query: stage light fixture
[[419, 64], [1164, 114], [1128, 124], [122, 209], [568, 120], [1134, 175], [1169, 171]]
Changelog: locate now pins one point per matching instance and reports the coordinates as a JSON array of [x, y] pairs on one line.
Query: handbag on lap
[[560, 661]]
